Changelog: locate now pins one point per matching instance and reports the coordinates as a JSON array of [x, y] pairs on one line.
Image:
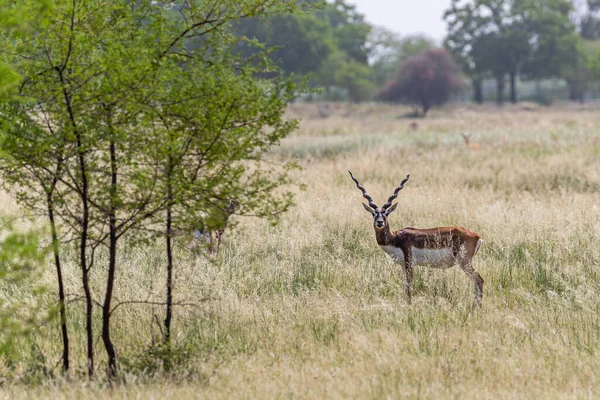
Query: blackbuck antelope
[[211, 227], [441, 247]]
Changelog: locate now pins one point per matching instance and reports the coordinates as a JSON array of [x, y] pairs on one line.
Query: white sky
[[406, 16]]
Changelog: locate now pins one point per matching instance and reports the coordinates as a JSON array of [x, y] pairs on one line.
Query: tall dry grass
[[312, 308]]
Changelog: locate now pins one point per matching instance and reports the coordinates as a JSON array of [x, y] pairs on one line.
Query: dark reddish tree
[[426, 80]]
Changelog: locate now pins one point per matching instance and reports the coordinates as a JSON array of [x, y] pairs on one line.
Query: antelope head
[[380, 215]]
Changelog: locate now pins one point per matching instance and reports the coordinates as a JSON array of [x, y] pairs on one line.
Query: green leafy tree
[[589, 22], [356, 78], [347, 65], [299, 43], [557, 50], [464, 41], [328, 42], [389, 51], [349, 29], [533, 38], [34, 173], [487, 37], [142, 113]]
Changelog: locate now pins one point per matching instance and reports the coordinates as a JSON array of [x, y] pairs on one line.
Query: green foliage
[[347, 66], [592, 50], [557, 45], [349, 29], [19, 16], [496, 38], [341, 71], [16, 18], [20, 261], [159, 358], [389, 51], [134, 114], [300, 43], [328, 42], [8, 79]]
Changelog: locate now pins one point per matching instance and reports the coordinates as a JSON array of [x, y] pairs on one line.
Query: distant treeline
[[549, 49]]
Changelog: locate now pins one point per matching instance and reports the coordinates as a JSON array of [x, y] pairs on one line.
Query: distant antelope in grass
[[211, 228], [441, 247], [414, 126], [471, 146]]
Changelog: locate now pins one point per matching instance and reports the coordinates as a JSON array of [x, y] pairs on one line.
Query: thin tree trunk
[[426, 108], [500, 90], [169, 243], [169, 313], [85, 279], [112, 264], [478, 90], [85, 220], [61, 290], [513, 87]]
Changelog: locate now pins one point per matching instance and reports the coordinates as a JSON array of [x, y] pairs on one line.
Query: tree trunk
[[112, 264], [426, 107], [61, 290], [576, 92], [513, 87], [85, 278], [85, 221], [478, 90], [169, 312], [500, 90], [169, 244], [89, 329], [169, 234]]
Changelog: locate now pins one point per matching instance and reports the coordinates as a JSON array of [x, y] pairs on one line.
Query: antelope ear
[[369, 209], [391, 209]]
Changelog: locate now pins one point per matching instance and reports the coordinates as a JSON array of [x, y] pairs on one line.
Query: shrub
[[425, 80]]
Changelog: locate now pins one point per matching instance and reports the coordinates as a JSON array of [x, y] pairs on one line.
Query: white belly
[[396, 253], [434, 257]]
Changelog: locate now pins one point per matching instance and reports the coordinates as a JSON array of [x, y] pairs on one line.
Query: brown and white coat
[[441, 247]]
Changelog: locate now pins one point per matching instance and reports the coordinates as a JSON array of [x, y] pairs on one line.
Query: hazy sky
[[406, 16]]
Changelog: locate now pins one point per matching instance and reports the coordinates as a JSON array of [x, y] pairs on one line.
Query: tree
[[533, 38], [137, 127], [299, 43], [36, 177], [462, 42], [347, 65], [388, 51], [328, 44], [349, 29], [487, 37], [556, 49], [356, 79], [588, 20], [427, 80]]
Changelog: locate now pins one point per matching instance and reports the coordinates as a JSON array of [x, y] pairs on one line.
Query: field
[[312, 308]]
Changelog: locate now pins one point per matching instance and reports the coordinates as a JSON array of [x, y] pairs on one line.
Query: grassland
[[312, 308]]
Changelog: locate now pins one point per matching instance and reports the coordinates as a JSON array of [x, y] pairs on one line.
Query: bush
[[425, 80]]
